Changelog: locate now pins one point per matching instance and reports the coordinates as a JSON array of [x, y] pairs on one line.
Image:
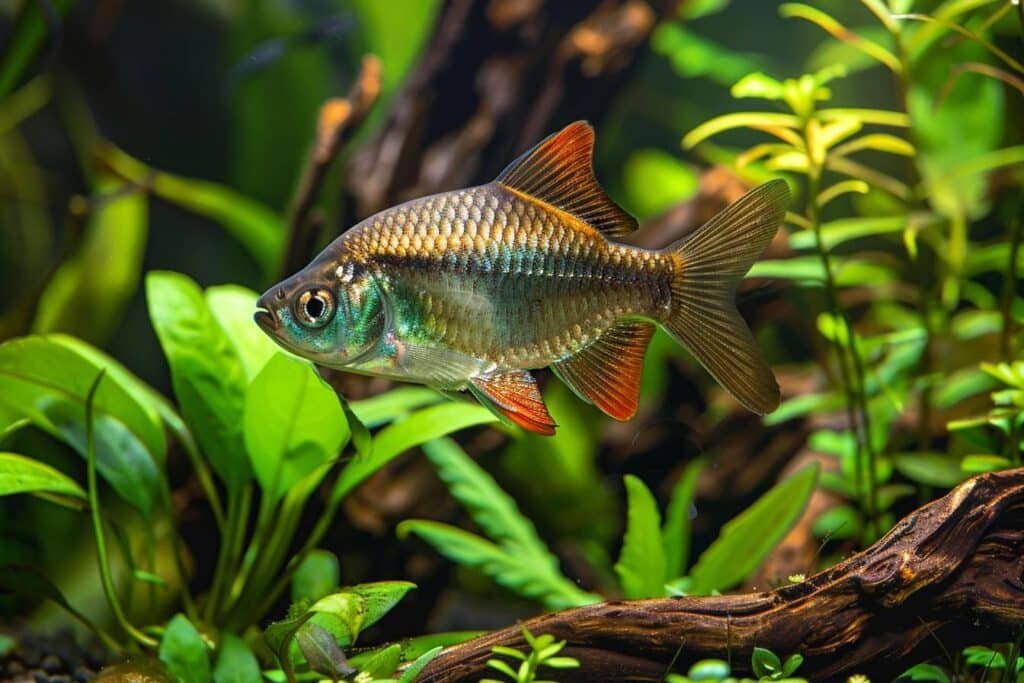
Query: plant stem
[[97, 522], [237, 521]]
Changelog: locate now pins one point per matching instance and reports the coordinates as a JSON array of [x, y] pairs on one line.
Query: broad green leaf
[[384, 663], [417, 667], [747, 539], [757, 85], [281, 634], [675, 534], [925, 672], [418, 428], [232, 306], [655, 181], [981, 463], [88, 293], [321, 651], [356, 608], [293, 423], [417, 646], [256, 227], [709, 670], [183, 651], [808, 269], [506, 569], [392, 404], [235, 662], [765, 663], [20, 474], [930, 469], [798, 406], [206, 372], [641, 565], [46, 382], [491, 508], [317, 576], [23, 43]]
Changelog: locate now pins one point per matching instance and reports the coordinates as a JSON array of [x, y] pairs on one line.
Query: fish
[[476, 288]]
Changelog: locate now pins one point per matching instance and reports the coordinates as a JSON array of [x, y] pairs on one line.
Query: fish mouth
[[266, 320]]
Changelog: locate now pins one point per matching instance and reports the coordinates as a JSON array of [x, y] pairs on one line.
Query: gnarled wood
[[957, 562]]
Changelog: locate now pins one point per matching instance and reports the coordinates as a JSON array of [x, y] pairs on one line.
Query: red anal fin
[[560, 172], [607, 372], [515, 395]]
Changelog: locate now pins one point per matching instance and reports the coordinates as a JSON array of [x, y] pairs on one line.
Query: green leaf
[[384, 663], [386, 407], [791, 664], [317, 576], [765, 663], [46, 382], [416, 429], [692, 55], [675, 535], [655, 181], [232, 306], [837, 30], [757, 85], [89, 292], [235, 662], [417, 667], [322, 652], [22, 45], [19, 474], [981, 463], [844, 230], [747, 539], [358, 607], [641, 565], [491, 508], [930, 469], [206, 372], [184, 651], [506, 569], [925, 672], [293, 423], [280, 634], [838, 523], [756, 120], [256, 227], [709, 670], [413, 648]]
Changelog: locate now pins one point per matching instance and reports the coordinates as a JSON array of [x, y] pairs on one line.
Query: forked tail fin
[[708, 266]]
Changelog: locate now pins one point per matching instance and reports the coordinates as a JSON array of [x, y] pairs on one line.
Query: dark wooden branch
[[338, 120], [953, 569]]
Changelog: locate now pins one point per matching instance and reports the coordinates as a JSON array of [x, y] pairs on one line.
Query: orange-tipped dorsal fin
[[559, 171], [515, 395], [607, 371]]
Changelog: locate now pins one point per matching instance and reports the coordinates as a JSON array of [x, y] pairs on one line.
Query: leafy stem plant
[[263, 433]]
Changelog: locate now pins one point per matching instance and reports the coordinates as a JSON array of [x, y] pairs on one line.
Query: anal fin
[[515, 395], [607, 372]]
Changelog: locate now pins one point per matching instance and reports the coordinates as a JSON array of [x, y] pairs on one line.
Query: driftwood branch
[[951, 571], [338, 120]]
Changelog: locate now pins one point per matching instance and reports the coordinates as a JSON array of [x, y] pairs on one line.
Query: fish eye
[[314, 307]]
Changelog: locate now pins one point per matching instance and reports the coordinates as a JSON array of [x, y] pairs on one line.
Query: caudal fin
[[708, 266]]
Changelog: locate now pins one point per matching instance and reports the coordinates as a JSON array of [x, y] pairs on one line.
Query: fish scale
[[472, 289]]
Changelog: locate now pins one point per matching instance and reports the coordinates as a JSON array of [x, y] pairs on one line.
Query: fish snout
[[266, 309]]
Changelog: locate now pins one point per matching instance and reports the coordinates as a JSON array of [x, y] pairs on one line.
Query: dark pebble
[[51, 664], [83, 675], [41, 678]]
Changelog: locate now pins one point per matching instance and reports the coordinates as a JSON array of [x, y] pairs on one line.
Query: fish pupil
[[315, 307]]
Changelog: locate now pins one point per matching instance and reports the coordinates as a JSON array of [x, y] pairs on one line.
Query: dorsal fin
[[559, 171], [607, 372]]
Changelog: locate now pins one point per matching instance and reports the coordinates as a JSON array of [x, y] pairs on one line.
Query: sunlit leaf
[[747, 539], [235, 662], [424, 425], [655, 181], [317, 575], [879, 117], [757, 85], [20, 474], [880, 142], [232, 306], [693, 55], [47, 383], [392, 404], [206, 372], [738, 120], [641, 565], [183, 651], [844, 230], [675, 534], [293, 423], [837, 30], [837, 190], [930, 469]]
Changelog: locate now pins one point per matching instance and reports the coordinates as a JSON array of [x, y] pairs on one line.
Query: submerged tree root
[[949, 573]]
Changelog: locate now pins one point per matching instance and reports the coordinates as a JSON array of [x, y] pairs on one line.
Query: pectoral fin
[[607, 372], [514, 395]]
